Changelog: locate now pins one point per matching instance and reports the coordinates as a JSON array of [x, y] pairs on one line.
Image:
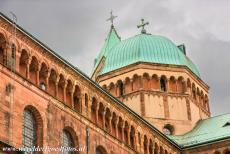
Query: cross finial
[[143, 24], [111, 18]]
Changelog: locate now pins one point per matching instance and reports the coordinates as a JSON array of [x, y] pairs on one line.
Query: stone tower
[[155, 78]]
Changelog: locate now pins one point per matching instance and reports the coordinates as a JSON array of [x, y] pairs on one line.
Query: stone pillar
[[116, 127], [72, 101], [28, 68], [37, 74], [56, 86], [103, 119], [64, 91]]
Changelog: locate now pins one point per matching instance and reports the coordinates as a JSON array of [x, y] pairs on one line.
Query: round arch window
[[168, 129]]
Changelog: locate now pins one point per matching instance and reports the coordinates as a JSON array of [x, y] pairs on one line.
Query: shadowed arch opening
[[23, 62], [101, 150], [113, 123], [94, 110], [42, 76], [77, 99], [68, 93], [120, 125], [112, 89], [146, 81], [154, 83], [132, 137], [126, 132], [163, 82], [101, 111], [33, 69], [172, 84], [61, 85], [136, 82], [145, 144], [120, 88], [52, 83]]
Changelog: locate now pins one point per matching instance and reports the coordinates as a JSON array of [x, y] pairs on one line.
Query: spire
[[111, 18], [112, 39], [143, 24]]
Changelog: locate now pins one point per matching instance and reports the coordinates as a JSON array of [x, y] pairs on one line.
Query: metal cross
[[143, 24], [111, 18]]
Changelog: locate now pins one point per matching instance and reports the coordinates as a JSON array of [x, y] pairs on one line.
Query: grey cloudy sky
[[77, 29]]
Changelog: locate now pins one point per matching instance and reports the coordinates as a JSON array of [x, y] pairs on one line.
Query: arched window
[[100, 150], [163, 84], [120, 88], [168, 129], [43, 86], [67, 142], [29, 129]]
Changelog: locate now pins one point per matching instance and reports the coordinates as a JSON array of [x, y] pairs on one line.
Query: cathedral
[[144, 96]]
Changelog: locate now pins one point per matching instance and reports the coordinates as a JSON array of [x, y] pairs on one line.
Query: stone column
[[56, 86], [28, 68], [64, 91], [37, 74]]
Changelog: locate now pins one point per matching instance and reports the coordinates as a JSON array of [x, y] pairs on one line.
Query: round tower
[[155, 78]]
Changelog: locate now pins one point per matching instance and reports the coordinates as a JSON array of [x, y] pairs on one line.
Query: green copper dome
[[144, 48]]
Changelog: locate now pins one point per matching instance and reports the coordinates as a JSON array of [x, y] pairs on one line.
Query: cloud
[[77, 29]]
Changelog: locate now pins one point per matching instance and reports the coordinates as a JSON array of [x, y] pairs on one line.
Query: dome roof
[[145, 48]]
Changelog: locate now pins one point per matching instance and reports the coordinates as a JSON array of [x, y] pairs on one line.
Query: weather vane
[[143, 24], [111, 18]]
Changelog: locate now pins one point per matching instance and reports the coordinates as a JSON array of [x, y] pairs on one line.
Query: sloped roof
[[206, 131]]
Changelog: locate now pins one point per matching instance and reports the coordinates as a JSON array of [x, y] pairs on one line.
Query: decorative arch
[[107, 119], [154, 83], [132, 137], [156, 148], [100, 150], [120, 88], [136, 82], [120, 127], [23, 62], [150, 146], [94, 110], [33, 70], [68, 93], [145, 144], [101, 111], [181, 86], [163, 83], [114, 123], [146, 81], [172, 84], [77, 99], [193, 91], [128, 85], [61, 86], [52, 82], [126, 133], [112, 89], [43, 73]]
